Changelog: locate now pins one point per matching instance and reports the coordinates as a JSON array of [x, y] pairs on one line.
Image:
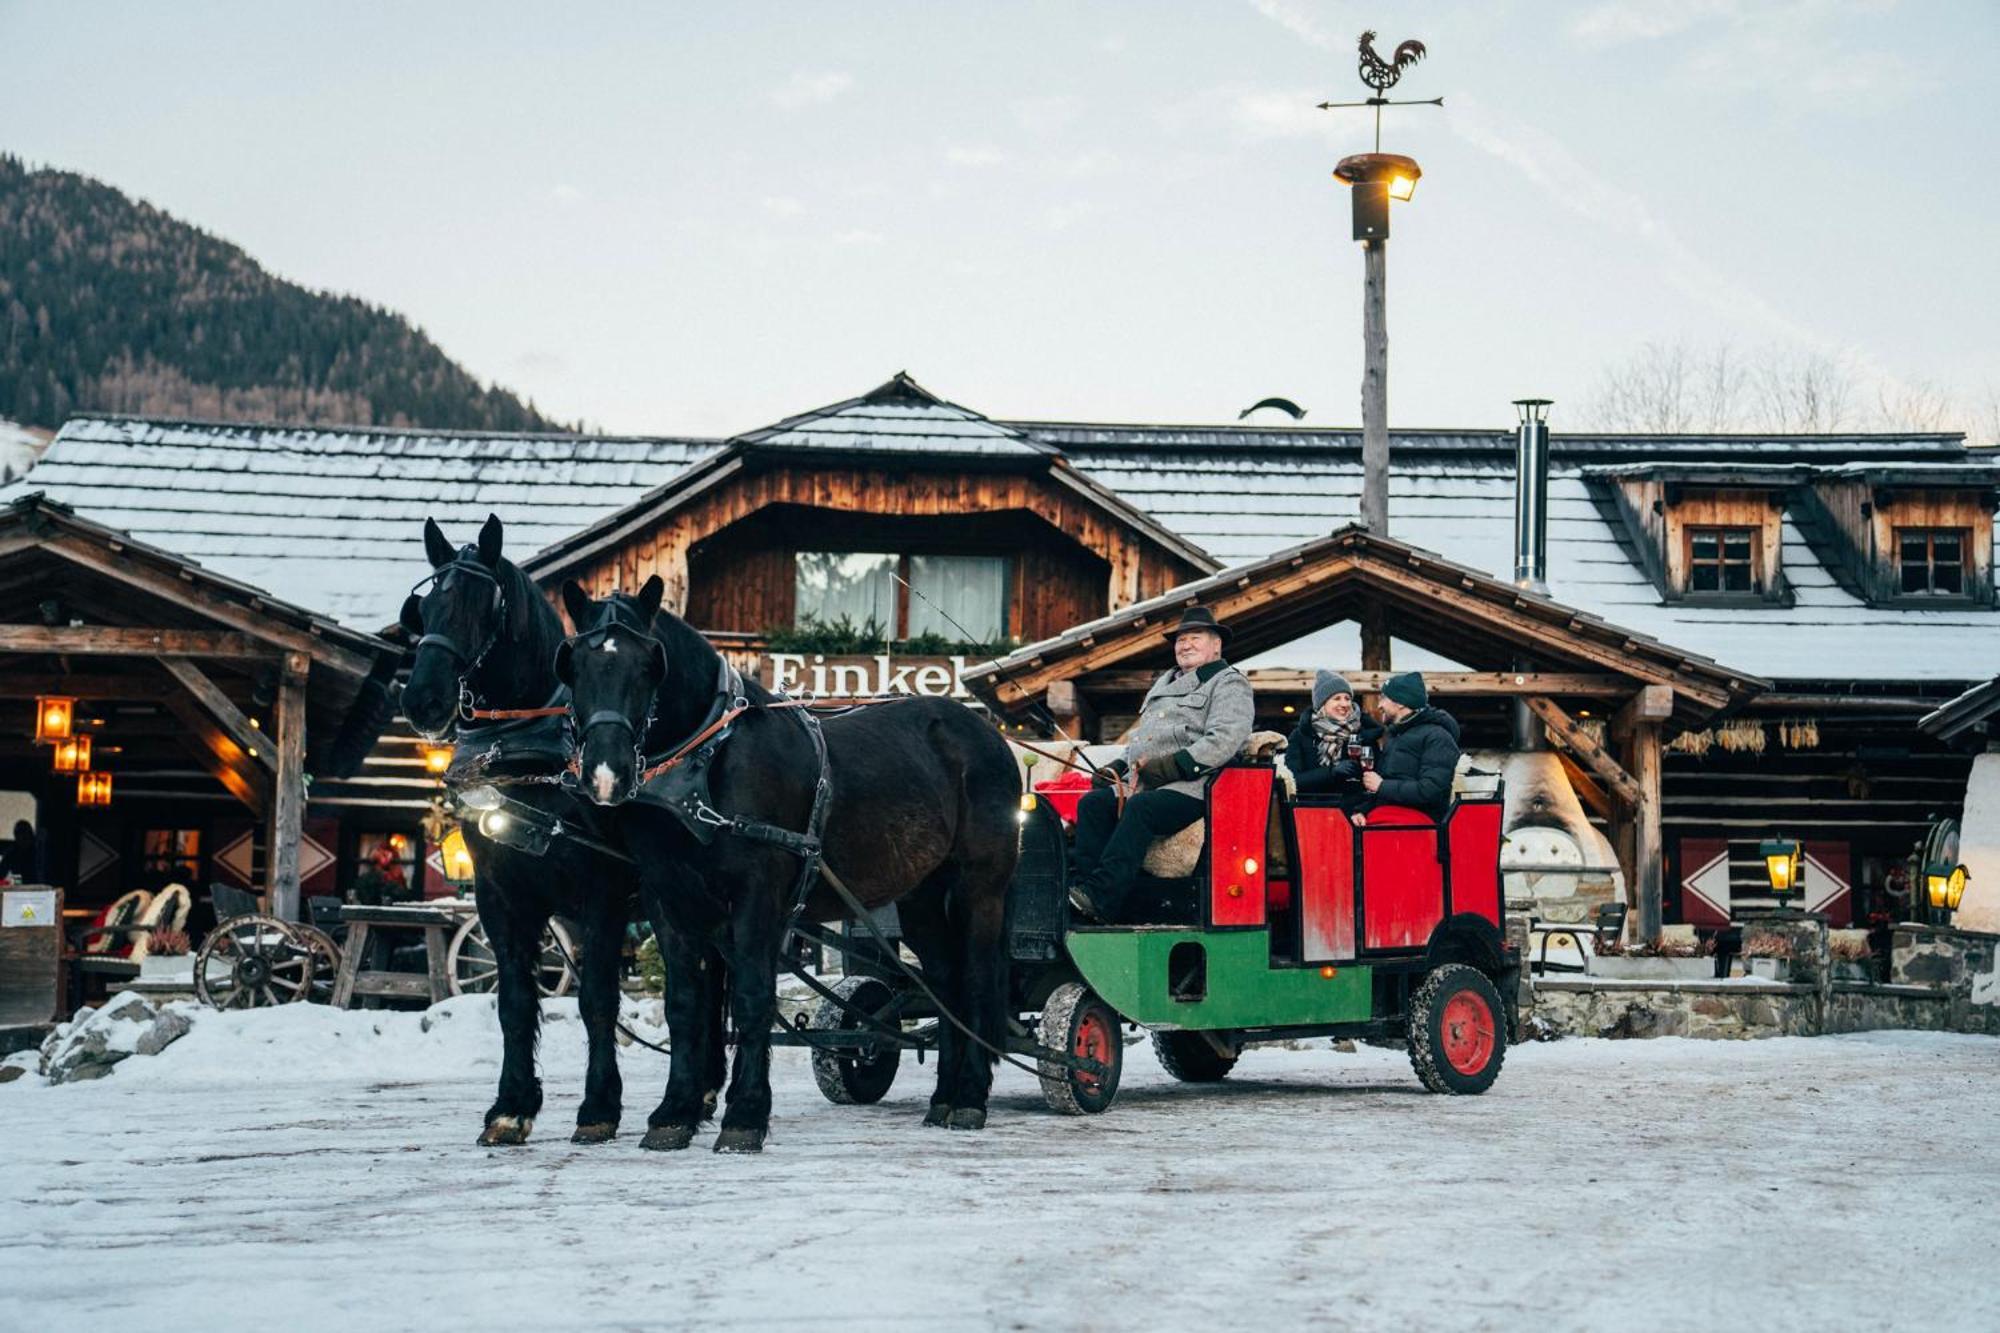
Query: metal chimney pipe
[[1531, 494]]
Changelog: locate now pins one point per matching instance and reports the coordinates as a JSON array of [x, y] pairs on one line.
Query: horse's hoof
[[739, 1138], [602, 1132], [969, 1117], [938, 1116], [504, 1131], [668, 1138]]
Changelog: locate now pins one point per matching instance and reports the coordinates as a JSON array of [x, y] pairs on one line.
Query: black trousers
[[1109, 848]]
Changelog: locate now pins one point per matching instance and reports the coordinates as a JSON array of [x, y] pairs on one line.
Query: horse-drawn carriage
[[1303, 925]]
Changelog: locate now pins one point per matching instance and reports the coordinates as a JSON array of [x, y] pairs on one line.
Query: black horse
[[920, 811], [487, 637]]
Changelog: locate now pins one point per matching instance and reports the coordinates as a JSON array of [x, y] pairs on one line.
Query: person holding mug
[[1334, 743]]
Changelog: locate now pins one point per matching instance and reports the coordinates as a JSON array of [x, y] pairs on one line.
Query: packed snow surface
[[304, 1168]]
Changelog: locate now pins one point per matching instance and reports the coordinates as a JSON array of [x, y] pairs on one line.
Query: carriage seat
[[1176, 855]]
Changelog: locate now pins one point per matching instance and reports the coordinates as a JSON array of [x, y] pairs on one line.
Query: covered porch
[[1603, 698]]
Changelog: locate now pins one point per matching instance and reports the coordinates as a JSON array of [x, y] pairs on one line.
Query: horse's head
[[455, 622], [614, 667]]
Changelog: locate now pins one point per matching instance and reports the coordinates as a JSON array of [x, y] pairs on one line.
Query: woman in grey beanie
[[1317, 752]]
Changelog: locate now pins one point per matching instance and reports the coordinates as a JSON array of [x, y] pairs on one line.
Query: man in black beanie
[[1419, 750]]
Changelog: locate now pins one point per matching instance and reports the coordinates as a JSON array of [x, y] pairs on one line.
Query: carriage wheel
[[1458, 1030], [326, 961], [1191, 1057], [471, 967], [254, 962], [1075, 1020], [854, 1078]]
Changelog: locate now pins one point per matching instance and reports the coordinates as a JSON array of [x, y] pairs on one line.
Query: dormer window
[[1722, 560], [1931, 561]]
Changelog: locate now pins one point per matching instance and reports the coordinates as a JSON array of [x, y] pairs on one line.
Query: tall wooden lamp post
[[1376, 179]]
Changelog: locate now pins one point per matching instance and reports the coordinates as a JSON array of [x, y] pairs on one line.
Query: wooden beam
[[1072, 711], [98, 688], [1653, 703], [1649, 851], [222, 757], [288, 804], [1375, 639], [1594, 797], [223, 709], [1588, 752], [120, 641], [1283, 680], [275, 634]]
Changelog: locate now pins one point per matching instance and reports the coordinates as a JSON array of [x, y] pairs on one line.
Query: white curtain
[[860, 585], [972, 588]]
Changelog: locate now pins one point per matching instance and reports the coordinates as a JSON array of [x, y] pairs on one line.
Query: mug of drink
[[1363, 754]]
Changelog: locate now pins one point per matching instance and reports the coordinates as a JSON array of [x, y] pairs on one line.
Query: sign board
[[843, 677], [29, 907]]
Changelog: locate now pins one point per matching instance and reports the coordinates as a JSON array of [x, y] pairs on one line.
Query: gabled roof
[[332, 517], [898, 418], [1476, 619]]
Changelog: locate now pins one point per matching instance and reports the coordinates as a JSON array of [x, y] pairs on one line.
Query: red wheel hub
[[1094, 1038], [1468, 1032]]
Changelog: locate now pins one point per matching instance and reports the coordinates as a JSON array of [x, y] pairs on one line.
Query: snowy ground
[[303, 1168]]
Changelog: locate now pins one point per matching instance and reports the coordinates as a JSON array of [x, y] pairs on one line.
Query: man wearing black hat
[[1194, 719], [1419, 750]]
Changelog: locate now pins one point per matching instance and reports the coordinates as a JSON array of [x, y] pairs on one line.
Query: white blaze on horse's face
[[610, 646], [605, 783]]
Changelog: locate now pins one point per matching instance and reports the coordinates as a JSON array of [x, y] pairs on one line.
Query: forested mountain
[[108, 304]]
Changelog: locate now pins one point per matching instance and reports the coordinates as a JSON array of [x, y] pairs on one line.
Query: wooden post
[[1375, 639], [1072, 711], [1648, 850], [288, 803], [1375, 389]]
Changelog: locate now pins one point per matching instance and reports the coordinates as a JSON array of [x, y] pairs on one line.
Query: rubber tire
[[1070, 1010], [1190, 1058], [845, 1080], [1426, 1023]]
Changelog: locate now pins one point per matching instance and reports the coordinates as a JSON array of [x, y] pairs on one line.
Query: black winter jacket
[[1342, 778], [1419, 757]]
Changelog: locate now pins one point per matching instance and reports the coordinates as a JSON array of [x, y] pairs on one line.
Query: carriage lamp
[[55, 718], [93, 788], [519, 828], [1249, 865], [1027, 807], [457, 857], [482, 797], [1784, 863], [437, 758], [72, 755], [1946, 886]]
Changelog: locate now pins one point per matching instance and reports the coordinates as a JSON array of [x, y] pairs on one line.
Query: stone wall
[[1940, 980]]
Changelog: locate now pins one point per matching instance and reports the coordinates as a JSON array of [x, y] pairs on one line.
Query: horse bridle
[[616, 617], [468, 563]]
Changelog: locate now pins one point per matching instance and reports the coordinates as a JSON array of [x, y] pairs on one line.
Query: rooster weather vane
[[1382, 75]]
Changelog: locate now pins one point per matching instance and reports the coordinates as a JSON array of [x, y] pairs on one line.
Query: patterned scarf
[[1333, 736]]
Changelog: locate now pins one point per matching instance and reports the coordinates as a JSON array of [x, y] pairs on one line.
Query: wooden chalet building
[[1844, 583]]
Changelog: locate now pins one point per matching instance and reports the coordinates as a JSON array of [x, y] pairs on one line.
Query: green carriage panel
[[1170, 977]]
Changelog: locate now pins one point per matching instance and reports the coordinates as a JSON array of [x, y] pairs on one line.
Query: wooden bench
[[354, 980]]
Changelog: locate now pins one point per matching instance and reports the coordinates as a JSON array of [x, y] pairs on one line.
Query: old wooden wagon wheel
[[472, 969], [326, 960], [255, 961]]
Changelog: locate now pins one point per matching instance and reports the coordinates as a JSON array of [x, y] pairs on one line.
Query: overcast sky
[[699, 218]]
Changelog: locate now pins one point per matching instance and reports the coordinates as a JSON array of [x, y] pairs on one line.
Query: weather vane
[[1382, 75]]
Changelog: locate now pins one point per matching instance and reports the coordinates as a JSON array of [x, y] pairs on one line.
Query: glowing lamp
[[1249, 865], [1402, 187], [1947, 888], [457, 857], [55, 718], [1027, 802], [72, 755], [1784, 864], [93, 788], [437, 758], [1328, 973]]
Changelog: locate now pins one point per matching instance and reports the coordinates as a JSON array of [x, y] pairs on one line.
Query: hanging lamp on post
[[72, 755], [55, 718]]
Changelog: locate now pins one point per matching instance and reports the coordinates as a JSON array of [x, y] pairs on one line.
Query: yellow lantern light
[[55, 718], [93, 788], [457, 857], [1784, 863], [1947, 888], [72, 755], [437, 758]]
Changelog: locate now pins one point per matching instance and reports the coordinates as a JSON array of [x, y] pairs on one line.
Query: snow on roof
[[899, 417], [332, 518]]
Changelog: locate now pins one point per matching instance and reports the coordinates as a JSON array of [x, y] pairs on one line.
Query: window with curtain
[[972, 589], [860, 585]]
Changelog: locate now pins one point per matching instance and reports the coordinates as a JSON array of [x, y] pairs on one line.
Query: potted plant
[[1853, 958], [169, 957], [1767, 954]]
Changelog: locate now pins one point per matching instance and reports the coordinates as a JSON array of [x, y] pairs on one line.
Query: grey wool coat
[[1201, 717]]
